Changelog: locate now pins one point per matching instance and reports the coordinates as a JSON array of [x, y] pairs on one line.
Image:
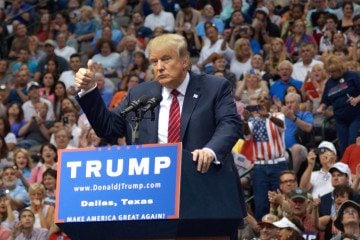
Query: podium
[[211, 207]]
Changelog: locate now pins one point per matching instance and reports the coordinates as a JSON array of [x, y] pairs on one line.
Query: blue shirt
[[31, 64], [279, 87], [83, 28], [116, 36], [219, 24], [291, 127]]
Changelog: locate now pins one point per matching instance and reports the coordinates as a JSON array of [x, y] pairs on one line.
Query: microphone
[[134, 105], [151, 103]]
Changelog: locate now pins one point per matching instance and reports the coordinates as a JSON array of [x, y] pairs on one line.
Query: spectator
[[89, 138], [351, 155], [250, 87], [36, 129], [8, 216], [297, 122], [266, 130], [43, 30], [320, 5], [106, 22], [15, 116], [49, 182], [60, 94], [36, 53], [319, 182], [20, 11], [19, 92], [208, 15], [44, 214], [240, 57], [18, 196], [85, 28], [5, 132], [277, 90], [68, 77], [348, 219], [294, 42], [121, 12], [325, 44], [236, 5], [220, 68], [205, 59], [288, 230], [127, 55], [280, 199], [318, 21], [141, 67], [296, 12], [25, 228], [23, 163], [143, 34], [346, 22], [300, 203], [187, 17], [47, 91], [63, 50], [342, 91], [62, 64], [34, 98], [107, 57], [159, 17], [268, 231], [354, 33], [62, 139], [128, 83], [24, 58], [304, 66], [21, 40], [277, 54], [48, 156]]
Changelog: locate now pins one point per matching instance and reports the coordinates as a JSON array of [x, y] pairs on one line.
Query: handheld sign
[[118, 183]]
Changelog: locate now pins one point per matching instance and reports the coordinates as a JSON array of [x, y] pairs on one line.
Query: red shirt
[[352, 157]]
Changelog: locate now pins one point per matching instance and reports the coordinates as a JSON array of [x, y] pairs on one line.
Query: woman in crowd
[[276, 55], [89, 138], [8, 216], [240, 57], [348, 220], [107, 57], [15, 115], [48, 153], [250, 87], [44, 214], [49, 182], [35, 51], [295, 13], [52, 68], [141, 67], [342, 92], [288, 229], [313, 87], [23, 162], [48, 91], [85, 28], [60, 94], [346, 22], [43, 31], [10, 137], [298, 36]]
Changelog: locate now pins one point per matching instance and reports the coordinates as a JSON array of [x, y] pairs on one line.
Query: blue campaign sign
[[116, 183]]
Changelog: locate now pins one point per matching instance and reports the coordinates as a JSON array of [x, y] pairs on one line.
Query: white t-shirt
[[321, 183], [300, 70], [65, 52], [164, 19]]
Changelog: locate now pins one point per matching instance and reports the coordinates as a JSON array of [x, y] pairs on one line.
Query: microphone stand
[[139, 116]]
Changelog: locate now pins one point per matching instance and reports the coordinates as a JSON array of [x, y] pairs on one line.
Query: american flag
[[268, 138]]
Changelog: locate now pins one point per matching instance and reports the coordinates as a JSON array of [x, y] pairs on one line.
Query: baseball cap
[[328, 145], [298, 193], [32, 84], [341, 167], [268, 219], [286, 223], [263, 9], [340, 214], [50, 42]]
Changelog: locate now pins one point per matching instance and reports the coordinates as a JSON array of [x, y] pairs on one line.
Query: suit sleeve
[[228, 123], [106, 124]]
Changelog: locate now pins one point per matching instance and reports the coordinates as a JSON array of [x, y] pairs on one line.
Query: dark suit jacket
[[208, 118]]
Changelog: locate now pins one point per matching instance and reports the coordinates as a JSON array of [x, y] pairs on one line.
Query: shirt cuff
[[84, 92], [216, 161]]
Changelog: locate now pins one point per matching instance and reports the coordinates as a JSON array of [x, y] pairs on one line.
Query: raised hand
[[85, 78]]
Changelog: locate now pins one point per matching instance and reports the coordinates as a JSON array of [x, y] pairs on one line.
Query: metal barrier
[[243, 175]]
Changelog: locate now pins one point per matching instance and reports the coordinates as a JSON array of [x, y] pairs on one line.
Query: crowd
[[294, 67]]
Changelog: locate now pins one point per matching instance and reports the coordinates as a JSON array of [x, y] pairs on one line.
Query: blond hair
[[36, 186], [29, 163]]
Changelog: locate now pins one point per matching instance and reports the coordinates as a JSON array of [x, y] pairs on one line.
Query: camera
[[318, 151], [252, 108], [65, 120]]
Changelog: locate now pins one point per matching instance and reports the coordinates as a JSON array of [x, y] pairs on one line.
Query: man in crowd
[[159, 17]]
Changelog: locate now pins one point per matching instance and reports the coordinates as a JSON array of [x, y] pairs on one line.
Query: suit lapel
[[152, 126], [192, 95]]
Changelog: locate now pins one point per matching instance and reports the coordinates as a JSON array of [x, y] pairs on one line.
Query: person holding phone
[[267, 132]]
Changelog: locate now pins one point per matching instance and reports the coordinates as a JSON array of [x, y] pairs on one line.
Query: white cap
[[328, 145], [32, 84], [341, 167], [263, 9], [286, 223]]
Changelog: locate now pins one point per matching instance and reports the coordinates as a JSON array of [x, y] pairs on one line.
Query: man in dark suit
[[209, 123]]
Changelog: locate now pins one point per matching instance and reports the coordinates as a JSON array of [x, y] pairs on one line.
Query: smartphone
[[252, 108], [65, 120]]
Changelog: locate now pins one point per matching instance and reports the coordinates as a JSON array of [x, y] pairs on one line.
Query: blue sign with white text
[[117, 183]]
